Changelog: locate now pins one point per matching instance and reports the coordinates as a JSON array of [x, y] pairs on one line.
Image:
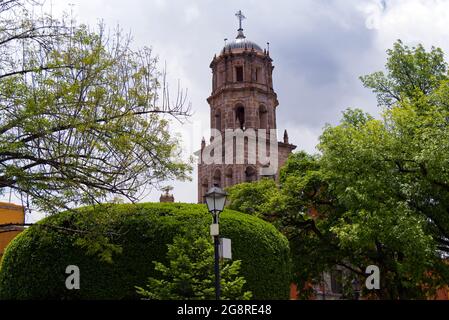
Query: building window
[[218, 120], [250, 174], [229, 177], [217, 178], [337, 281], [239, 74], [240, 117], [258, 75], [221, 79], [263, 119]]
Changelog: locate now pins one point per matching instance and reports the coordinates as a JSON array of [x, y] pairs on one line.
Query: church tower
[[242, 100]]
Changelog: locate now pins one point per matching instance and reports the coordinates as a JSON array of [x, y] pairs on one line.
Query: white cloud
[[192, 13], [304, 138], [413, 21]]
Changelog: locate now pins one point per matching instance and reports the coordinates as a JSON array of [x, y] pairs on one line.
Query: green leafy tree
[[255, 198], [292, 206], [81, 116], [189, 274], [378, 192], [411, 72]]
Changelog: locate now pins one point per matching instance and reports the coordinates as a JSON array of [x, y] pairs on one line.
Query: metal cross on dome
[[240, 16]]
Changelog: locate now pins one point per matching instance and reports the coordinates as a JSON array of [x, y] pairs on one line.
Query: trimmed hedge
[[33, 266]]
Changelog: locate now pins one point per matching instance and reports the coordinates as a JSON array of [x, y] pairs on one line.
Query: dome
[[240, 42]]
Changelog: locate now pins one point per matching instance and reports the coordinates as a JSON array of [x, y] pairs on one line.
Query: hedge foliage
[[34, 264]]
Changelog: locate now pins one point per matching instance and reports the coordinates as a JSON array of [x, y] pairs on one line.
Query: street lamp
[[215, 200]]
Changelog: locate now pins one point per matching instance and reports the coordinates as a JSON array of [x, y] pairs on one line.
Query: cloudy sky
[[319, 48]]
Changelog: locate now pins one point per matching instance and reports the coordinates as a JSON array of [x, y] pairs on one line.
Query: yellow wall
[[9, 213]]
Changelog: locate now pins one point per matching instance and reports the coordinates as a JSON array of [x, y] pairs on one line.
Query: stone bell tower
[[242, 100]]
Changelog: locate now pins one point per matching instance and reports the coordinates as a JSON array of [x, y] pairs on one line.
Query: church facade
[[243, 105]]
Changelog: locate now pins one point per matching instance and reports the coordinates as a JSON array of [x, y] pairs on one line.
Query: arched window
[[250, 174], [229, 177], [263, 117], [240, 116], [218, 120], [217, 178]]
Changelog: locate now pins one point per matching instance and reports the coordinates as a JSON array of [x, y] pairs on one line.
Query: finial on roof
[[240, 16], [285, 136]]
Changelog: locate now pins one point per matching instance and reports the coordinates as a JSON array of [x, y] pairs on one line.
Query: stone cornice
[[236, 53], [286, 145], [247, 86]]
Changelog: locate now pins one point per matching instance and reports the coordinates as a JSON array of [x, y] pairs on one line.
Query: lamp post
[[215, 200]]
